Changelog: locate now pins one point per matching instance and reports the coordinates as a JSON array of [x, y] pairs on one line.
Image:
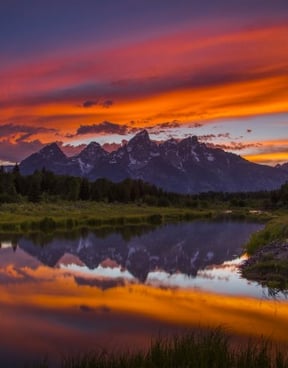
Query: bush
[[155, 219], [69, 223], [47, 223]]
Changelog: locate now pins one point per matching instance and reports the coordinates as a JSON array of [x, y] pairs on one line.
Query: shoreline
[[268, 265]]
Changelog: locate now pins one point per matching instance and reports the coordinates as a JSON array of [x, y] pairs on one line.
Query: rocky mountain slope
[[283, 166], [187, 166]]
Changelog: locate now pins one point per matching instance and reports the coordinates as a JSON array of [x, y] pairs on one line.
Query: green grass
[[45, 217], [49, 217], [267, 267], [271, 273], [212, 349], [275, 229]]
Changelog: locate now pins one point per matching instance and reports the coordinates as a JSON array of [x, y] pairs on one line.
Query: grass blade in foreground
[[211, 349]]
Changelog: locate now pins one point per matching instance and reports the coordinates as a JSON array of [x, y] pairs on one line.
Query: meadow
[[66, 215]]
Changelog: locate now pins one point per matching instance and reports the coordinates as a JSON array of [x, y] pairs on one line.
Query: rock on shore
[[268, 265]]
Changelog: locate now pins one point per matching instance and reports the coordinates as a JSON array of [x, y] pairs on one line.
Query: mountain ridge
[[185, 166]]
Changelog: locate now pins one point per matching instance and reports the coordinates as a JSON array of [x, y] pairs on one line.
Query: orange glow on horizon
[[270, 152], [269, 158]]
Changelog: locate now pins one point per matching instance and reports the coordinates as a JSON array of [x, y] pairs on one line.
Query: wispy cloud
[[176, 62], [235, 146], [16, 152], [209, 137], [21, 133], [106, 127], [106, 103], [162, 82]]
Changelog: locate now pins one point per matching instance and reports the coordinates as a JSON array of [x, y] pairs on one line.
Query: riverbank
[[269, 265], [268, 255], [49, 217]]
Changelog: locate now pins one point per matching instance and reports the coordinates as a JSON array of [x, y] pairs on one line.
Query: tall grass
[[211, 349]]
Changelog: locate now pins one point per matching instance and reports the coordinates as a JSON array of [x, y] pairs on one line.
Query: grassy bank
[[27, 217], [268, 249], [200, 350], [275, 229]]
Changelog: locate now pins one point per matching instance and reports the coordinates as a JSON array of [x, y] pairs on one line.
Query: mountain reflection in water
[[183, 247], [118, 289]]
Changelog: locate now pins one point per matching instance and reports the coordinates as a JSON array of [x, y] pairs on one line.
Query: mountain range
[[186, 166]]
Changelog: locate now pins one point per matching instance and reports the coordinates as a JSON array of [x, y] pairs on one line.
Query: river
[[70, 293]]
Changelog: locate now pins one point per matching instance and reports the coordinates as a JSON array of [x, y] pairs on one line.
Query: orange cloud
[[270, 152], [191, 76], [270, 158]]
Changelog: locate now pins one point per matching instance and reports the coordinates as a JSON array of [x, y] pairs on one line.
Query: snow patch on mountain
[[185, 166]]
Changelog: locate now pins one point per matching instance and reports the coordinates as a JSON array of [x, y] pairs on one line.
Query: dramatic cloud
[[16, 152], [234, 146], [106, 127], [71, 150], [167, 125], [18, 141], [21, 133], [269, 158], [187, 66], [270, 152], [160, 128], [195, 125], [106, 104], [209, 137], [89, 103], [110, 147], [193, 64]]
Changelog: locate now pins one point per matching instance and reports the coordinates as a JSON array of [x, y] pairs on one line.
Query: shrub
[[47, 223]]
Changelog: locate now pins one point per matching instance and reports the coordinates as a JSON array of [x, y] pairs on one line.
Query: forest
[[45, 186]]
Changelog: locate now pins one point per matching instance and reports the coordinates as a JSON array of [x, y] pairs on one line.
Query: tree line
[[46, 186]]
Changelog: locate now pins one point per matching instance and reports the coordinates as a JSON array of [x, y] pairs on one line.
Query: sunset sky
[[91, 70]]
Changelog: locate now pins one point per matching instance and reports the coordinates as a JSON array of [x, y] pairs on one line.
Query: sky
[[80, 71]]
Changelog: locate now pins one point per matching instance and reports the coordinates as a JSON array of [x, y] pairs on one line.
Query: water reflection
[[113, 290], [184, 248]]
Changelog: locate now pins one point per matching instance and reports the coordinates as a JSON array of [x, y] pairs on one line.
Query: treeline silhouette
[[46, 186]]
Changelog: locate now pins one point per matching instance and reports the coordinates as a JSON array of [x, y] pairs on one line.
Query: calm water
[[115, 290]]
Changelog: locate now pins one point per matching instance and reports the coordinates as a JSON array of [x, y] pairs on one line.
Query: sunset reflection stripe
[[182, 307]]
